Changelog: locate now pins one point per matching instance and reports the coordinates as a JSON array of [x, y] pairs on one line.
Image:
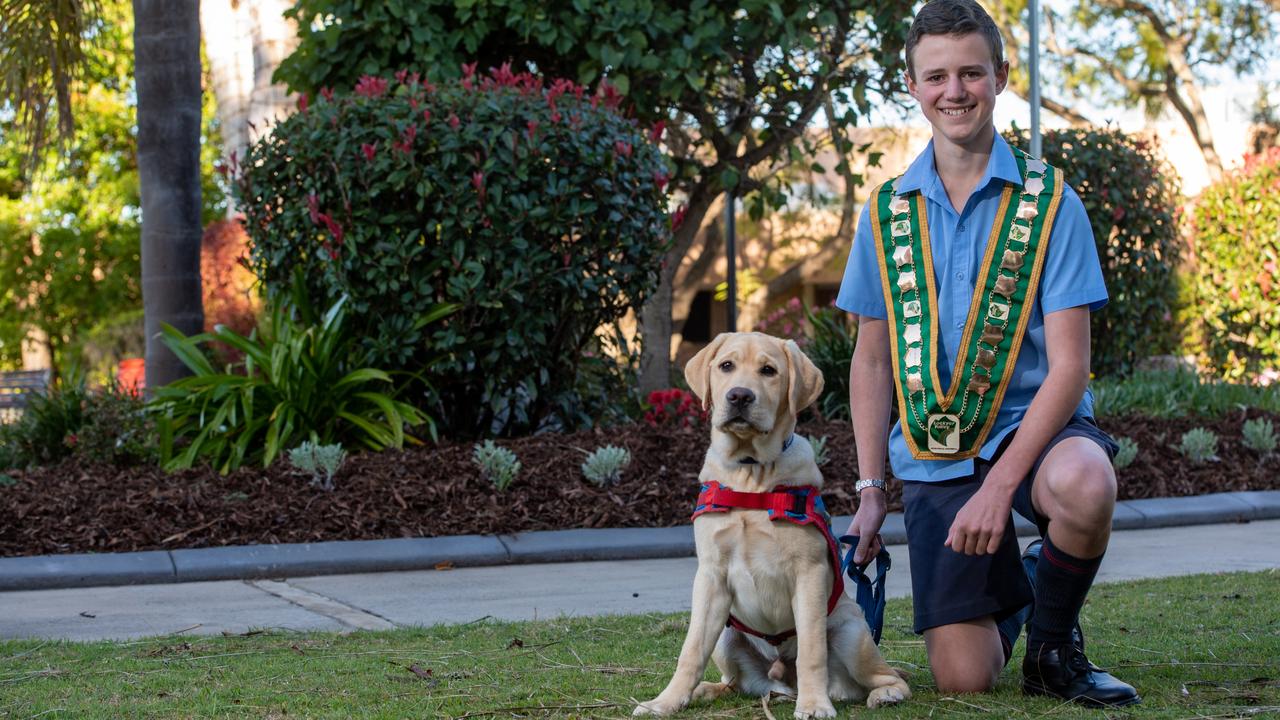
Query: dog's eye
[[768, 371], [727, 366]]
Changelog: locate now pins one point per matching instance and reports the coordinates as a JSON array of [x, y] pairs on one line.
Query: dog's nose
[[740, 397]]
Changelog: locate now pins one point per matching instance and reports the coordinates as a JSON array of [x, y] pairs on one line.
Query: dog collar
[[786, 444]]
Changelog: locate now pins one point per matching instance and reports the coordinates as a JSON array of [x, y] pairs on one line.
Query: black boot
[[1064, 671]]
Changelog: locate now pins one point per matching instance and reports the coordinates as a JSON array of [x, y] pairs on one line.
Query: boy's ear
[[1002, 77], [911, 83]]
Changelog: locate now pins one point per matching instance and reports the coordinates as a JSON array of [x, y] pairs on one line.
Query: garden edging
[[363, 556]]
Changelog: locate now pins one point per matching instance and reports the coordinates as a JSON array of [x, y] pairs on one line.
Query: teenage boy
[[972, 276]]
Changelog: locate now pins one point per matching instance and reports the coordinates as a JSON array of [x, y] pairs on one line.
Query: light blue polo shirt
[[1072, 277]]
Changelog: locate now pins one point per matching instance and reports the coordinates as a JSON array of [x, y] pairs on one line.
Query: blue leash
[[870, 594]]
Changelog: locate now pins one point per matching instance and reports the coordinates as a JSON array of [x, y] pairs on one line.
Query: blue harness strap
[[870, 594]]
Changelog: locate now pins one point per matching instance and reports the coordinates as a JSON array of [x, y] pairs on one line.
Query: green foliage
[[1235, 277], [605, 466], [1259, 436], [7, 480], [300, 377], [1199, 445], [116, 429], [1127, 453], [1131, 197], [498, 465], [1181, 393], [321, 462], [819, 446], [46, 432], [539, 211], [70, 217]]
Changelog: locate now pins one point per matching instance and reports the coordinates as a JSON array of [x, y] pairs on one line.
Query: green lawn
[[1204, 646]]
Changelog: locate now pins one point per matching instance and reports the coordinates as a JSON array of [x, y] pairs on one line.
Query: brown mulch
[[431, 491]]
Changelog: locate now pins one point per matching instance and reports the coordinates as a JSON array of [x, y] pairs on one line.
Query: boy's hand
[[980, 524], [866, 524]]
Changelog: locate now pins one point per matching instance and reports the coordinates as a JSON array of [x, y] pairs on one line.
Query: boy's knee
[[966, 675], [1085, 482]]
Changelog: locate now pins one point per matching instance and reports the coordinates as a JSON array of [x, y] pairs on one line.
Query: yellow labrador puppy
[[768, 576]]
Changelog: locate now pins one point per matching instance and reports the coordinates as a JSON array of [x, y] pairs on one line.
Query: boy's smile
[[956, 84]]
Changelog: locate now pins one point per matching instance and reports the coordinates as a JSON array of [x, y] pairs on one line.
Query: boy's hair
[[954, 17]]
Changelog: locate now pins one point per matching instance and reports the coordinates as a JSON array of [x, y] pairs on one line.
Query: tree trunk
[[230, 54], [655, 316], [167, 73]]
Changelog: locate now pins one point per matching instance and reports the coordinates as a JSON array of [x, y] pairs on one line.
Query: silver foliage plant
[[1260, 436], [605, 466], [498, 464], [1126, 454], [1199, 445], [321, 462], [819, 446]]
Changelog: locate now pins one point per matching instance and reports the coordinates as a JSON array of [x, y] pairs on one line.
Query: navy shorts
[[948, 586]]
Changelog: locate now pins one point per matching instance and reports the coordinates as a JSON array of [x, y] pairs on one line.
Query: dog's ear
[[804, 377], [697, 372]]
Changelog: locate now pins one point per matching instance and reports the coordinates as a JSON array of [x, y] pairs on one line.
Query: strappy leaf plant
[[300, 378]]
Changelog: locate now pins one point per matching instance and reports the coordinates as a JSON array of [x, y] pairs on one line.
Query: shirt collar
[[922, 174]]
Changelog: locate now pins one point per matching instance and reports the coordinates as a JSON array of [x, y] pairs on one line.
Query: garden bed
[[432, 491]]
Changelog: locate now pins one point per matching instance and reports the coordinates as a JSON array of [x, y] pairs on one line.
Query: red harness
[[801, 505]]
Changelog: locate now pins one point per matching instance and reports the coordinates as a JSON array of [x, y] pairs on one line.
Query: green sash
[[954, 425]]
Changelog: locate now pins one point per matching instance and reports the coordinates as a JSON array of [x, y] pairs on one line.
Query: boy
[[970, 368]]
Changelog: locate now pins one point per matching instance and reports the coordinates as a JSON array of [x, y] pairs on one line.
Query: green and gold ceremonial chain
[[934, 428]]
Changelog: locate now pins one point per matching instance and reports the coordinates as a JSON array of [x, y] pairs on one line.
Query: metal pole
[[730, 238], [1033, 68]]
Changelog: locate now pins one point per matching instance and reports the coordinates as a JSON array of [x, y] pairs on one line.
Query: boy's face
[[956, 86]]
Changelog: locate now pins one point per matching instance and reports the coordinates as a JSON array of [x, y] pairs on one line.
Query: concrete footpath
[[527, 576]]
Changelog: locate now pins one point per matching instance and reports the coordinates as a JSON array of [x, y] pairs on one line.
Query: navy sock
[[1062, 582]]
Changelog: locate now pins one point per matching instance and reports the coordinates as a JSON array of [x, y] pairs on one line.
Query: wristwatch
[[861, 485]]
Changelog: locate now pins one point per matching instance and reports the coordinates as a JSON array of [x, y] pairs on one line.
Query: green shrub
[[1177, 393], [117, 429], [1127, 453], [1235, 279], [1199, 445], [300, 378], [1131, 197], [605, 466], [321, 462], [1259, 436], [46, 431], [536, 208], [498, 465]]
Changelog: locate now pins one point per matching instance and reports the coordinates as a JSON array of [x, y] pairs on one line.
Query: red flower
[[477, 182], [426, 116], [454, 121], [334, 228], [622, 149], [661, 179], [371, 87], [532, 127], [303, 101], [677, 217], [612, 98], [313, 207], [401, 74], [413, 103], [555, 116], [327, 94], [656, 133], [369, 150], [221, 169]]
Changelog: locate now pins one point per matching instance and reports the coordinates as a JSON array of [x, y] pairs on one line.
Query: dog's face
[[751, 380]]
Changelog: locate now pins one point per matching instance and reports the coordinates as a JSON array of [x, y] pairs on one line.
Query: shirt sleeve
[[1072, 275], [860, 291]]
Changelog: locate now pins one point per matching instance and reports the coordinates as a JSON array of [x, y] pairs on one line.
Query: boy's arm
[[980, 524], [871, 373]]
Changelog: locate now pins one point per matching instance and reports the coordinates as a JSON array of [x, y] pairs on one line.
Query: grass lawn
[[1203, 646]]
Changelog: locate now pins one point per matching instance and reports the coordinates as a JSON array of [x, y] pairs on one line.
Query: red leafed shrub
[[227, 283], [674, 407]]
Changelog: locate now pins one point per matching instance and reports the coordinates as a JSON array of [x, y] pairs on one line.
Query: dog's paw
[[806, 709], [885, 695], [707, 691], [659, 706]]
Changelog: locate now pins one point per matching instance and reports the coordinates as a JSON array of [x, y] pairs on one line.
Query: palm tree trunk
[[167, 71]]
